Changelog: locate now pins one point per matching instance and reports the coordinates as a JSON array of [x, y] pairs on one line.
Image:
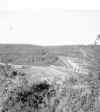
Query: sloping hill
[[40, 55], [70, 91]]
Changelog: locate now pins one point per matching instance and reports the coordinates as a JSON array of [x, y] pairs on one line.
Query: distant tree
[[97, 41]]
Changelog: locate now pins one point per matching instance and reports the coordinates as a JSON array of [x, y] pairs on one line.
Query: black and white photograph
[[49, 56]]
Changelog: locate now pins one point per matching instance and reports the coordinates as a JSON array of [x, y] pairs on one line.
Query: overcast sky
[[48, 26]]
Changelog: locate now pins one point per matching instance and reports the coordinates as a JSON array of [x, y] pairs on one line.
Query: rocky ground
[[36, 79]]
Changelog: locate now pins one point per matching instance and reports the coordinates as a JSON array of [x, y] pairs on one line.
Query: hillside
[[40, 55], [49, 79]]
